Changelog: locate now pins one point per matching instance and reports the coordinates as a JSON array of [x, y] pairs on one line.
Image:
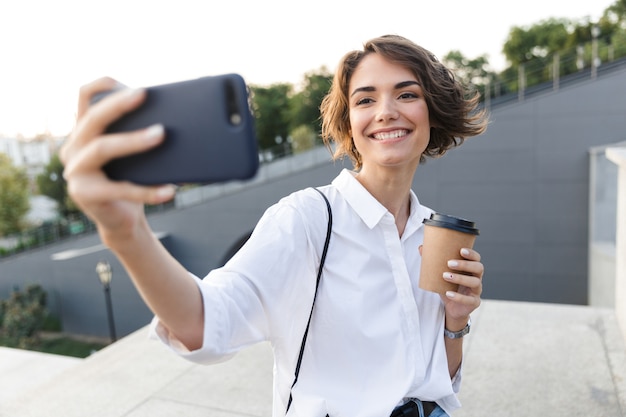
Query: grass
[[62, 345], [68, 347]]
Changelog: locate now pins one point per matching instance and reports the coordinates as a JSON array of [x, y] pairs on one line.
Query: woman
[[376, 340]]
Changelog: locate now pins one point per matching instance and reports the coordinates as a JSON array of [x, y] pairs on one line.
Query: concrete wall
[[199, 234], [74, 291], [525, 181], [602, 227], [618, 156]]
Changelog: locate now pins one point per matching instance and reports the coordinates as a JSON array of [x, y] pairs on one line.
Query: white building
[[33, 154]]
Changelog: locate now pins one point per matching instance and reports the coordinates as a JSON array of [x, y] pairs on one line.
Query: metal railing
[[78, 224], [553, 72]]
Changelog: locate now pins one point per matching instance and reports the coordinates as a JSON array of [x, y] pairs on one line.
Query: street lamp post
[[103, 268]]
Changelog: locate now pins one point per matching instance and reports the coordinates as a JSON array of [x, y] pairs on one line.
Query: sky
[[49, 48]]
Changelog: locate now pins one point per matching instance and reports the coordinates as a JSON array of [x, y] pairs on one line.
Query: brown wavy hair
[[453, 107]]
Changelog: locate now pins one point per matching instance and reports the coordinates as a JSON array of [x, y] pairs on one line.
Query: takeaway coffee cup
[[444, 236]]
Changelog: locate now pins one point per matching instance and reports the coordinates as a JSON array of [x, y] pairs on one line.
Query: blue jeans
[[438, 412]]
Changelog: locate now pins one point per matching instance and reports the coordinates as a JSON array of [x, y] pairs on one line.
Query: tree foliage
[[271, 110], [616, 14], [280, 111], [472, 72], [305, 105], [22, 316], [537, 41], [14, 195], [303, 138], [52, 184]]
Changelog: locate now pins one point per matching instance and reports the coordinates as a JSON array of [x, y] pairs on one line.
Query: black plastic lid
[[451, 222]]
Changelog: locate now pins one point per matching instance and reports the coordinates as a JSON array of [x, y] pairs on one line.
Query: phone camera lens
[[235, 119]]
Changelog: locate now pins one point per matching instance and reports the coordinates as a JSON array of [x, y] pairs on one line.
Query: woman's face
[[388, 115]]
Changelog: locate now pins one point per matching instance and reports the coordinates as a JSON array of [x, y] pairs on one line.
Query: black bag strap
[[317, 284]]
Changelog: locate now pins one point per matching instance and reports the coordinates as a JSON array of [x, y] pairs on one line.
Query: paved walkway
[[521, 359]]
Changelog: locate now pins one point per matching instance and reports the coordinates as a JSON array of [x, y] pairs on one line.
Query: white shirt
[[375, 337]]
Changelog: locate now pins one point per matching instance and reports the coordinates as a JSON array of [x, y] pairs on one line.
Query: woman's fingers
[[474, 268], [470, 254], [101, 114], [87, 91], [468, 273], [96, 153], [461, 298], [93, 120], [471, 265], [94, 190], [469, 281]]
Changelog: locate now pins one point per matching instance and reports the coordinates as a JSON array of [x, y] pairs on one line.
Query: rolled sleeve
[[245, 300], [456, 379], [205, 354]]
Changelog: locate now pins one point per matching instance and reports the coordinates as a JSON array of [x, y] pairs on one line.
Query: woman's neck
[[392, 191]]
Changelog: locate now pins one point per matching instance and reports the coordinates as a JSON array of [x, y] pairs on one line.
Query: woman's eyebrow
[[363, 89], [406, 84], [398, 86]]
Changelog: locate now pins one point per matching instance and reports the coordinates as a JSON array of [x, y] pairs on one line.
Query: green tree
[[271, 110], [473, 72], [304, 106], [52, 184], [22, 316], [14, 195], [537, 41], [533, 47], [303, 138], [616, 14]]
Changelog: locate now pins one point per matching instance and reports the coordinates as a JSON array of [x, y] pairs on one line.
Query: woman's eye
[[364, 101], [408, 95]]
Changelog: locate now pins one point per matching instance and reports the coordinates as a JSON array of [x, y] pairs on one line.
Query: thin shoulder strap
[[317, 284]]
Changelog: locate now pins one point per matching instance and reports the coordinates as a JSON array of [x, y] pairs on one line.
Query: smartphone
[[209, 133]]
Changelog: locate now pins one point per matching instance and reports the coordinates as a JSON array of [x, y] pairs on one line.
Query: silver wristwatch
[[457, 335]]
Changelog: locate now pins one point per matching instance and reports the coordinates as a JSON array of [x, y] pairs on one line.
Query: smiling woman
[[420, 78], [391, 105], [389, 118]]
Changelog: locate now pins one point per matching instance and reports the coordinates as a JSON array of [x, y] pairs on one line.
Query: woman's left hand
[[468, 273]]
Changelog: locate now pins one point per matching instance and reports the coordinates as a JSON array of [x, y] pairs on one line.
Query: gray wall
[[199, 236], [525, 182]]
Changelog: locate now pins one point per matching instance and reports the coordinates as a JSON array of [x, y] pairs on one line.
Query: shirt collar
[[366, 206]]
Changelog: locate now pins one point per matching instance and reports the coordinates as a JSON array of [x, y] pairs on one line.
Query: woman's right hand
[[115, 206]]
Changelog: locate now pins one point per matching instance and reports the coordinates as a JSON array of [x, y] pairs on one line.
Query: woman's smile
[[388, 115], [391, 136]]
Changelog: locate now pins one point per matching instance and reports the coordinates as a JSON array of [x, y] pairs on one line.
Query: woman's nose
[[387, 110]]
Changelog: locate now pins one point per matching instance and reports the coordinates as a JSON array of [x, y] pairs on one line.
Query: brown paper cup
[[444, 236]]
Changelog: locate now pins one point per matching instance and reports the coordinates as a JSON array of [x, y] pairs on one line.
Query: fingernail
[[133, 92], [154, 132], [450, 294], [453, 264], [465, 252], [166, 192], [447, 275]]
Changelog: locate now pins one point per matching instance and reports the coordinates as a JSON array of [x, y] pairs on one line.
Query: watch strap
[[457, 335]]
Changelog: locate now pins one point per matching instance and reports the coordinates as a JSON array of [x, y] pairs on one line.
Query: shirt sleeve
[[245, 300], [457, 378]]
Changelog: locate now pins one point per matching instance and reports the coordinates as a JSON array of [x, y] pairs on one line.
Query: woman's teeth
[[390, 135]]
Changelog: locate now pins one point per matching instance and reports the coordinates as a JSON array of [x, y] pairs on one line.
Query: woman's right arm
[[117, 208]]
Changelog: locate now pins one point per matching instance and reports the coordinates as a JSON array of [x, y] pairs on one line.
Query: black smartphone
[[209, 133]]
